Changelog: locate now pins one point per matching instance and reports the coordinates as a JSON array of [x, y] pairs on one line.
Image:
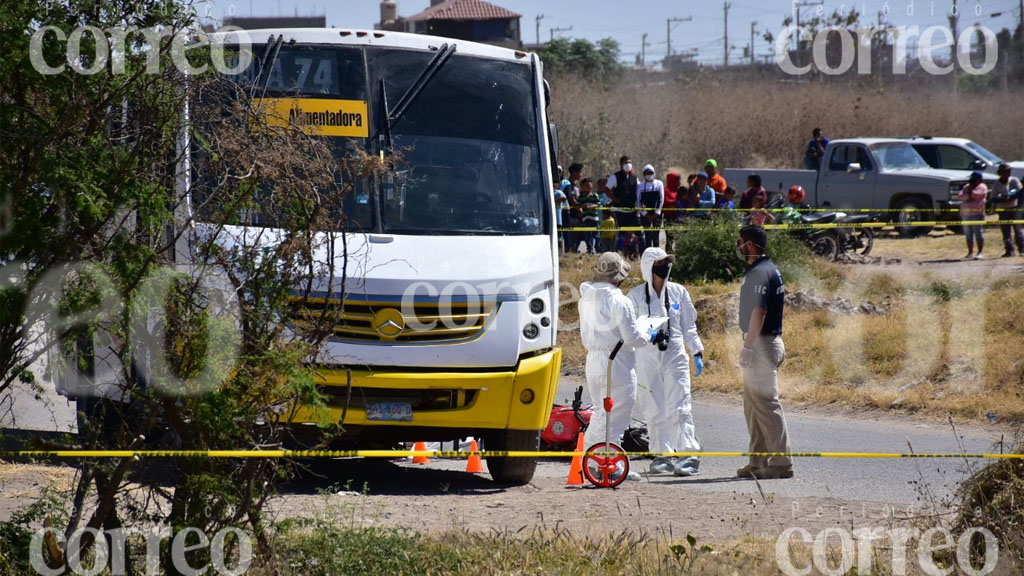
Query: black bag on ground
[[635, 439]]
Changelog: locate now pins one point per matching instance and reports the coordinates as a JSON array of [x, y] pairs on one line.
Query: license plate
[[389, 411]]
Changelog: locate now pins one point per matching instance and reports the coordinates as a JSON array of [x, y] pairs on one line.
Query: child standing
[[589, 201], [725, 202], [608, 224], [758, 215]]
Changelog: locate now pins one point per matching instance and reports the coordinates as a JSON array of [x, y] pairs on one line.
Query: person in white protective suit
[[607, 316], [663, 371]]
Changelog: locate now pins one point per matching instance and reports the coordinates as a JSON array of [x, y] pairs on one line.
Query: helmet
[[796, 194]]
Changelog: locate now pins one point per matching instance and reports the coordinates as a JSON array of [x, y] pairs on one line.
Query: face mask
[[627, 168], [661, 271], [649, 177], [739, 252]]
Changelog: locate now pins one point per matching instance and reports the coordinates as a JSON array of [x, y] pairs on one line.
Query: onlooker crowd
[[627, 212]]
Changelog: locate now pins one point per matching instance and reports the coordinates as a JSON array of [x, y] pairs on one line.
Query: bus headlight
[[536, 306], [531, 331]]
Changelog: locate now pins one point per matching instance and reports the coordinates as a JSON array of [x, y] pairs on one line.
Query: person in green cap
[[715, 180]]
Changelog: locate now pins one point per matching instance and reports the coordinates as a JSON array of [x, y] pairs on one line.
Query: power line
[[798, 6], [668, 32], [556, 29]]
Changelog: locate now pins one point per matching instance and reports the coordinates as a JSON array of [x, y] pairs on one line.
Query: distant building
[[272, 22], [473, 20], [685, 62]]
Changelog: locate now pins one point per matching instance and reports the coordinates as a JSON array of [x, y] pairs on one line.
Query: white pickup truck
[[961, 154], [884, 174]]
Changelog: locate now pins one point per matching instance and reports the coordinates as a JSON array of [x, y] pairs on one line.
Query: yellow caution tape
[[953, 208], [830, 225], [395, 454]]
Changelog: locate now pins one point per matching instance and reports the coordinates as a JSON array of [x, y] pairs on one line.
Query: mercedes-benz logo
[[388, 323]]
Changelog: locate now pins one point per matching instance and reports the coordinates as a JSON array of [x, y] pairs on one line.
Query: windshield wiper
[[267, 66], [429, 72]]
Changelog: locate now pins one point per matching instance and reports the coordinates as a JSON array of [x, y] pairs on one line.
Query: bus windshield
[[467, 155], [466, 150]]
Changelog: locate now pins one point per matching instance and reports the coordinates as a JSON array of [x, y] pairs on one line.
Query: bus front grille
[[359, 321]]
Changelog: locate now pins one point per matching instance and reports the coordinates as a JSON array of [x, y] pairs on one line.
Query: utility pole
[[553, 30], [668, 31], [1021, 65], [643, 52], [753, 28], [539, 18], [798, 6], [725, 10], [954, 16]]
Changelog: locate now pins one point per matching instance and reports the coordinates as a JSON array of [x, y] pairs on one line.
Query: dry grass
[[760, 122], [324, 548], [939, 245], [941, 349]]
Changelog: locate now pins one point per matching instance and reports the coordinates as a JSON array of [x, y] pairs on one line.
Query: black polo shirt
[[763, 288]]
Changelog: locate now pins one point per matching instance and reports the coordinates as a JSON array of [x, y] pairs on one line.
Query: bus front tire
[[512, 471]]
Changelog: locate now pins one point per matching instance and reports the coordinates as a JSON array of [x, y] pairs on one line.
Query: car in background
[[867, 174], [960, 154]]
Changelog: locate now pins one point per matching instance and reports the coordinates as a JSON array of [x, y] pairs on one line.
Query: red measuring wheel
[[605, 465]]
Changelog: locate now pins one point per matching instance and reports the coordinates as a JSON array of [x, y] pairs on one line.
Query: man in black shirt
[[621, 187], [761, 301]]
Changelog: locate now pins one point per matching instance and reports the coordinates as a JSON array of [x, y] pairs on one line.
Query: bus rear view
[[448, 315]]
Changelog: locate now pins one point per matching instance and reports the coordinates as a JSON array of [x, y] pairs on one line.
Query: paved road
[[721, 427], [25, 409]]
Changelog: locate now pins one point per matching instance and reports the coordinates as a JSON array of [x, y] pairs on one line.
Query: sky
[[627, 21]]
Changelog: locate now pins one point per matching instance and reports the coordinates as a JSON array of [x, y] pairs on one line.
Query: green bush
[[706, 252]]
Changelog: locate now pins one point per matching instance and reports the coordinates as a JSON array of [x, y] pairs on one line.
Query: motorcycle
[[830, 243], [566, 423]]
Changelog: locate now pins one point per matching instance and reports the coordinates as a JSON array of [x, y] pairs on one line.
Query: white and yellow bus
[[450, 312]]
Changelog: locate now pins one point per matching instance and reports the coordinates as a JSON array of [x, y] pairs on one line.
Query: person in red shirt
[[754, 189], [673, 181], [673, 186]]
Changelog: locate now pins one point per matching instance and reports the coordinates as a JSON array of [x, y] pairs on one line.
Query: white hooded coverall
[[664, 377], [606, 316]]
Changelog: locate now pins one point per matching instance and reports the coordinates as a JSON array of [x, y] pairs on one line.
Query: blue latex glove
[[698, 361], [652, 335]]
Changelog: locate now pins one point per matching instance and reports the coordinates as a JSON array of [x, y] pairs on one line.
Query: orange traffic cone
[[474, 465], [420, 447], [576, 469]]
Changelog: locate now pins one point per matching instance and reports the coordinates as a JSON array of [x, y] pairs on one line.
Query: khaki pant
[[765, 421]]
